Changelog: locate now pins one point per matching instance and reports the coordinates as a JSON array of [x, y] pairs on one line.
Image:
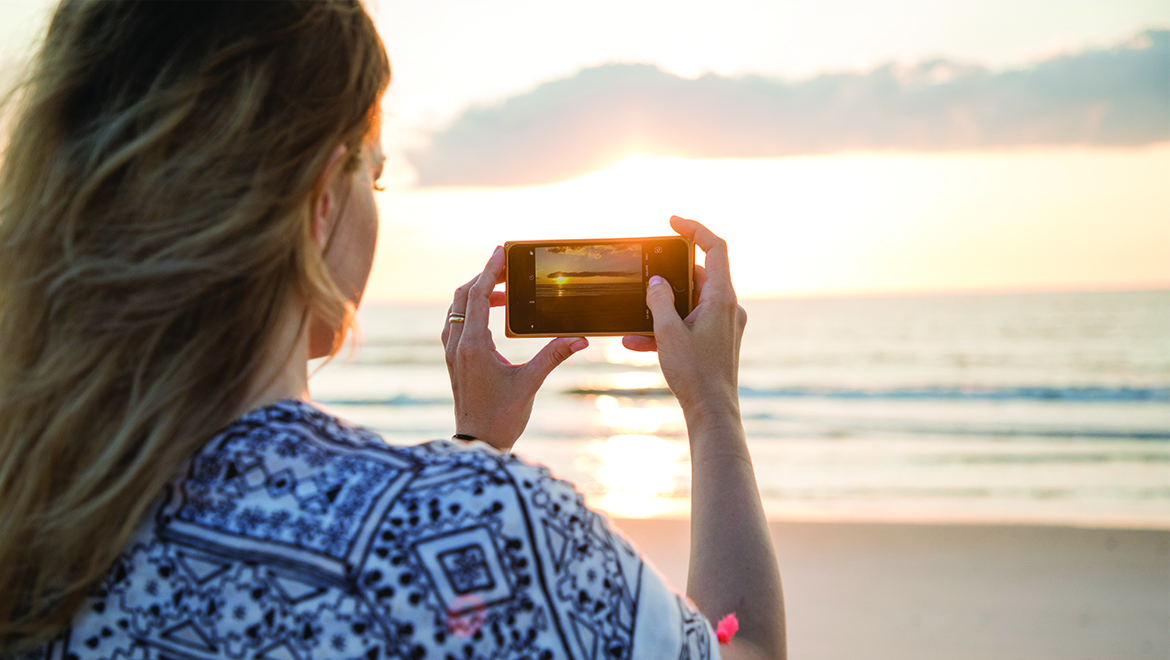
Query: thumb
[[660, 300], [552, 355]]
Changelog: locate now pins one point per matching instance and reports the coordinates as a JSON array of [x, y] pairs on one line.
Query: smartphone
[[593, 287]]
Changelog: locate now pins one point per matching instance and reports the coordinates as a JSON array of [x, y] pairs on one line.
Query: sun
[[562, 279]]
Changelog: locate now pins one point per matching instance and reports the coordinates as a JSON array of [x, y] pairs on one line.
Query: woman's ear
[[325, 205]]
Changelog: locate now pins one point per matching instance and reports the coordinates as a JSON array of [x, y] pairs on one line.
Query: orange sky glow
[[852, 224]]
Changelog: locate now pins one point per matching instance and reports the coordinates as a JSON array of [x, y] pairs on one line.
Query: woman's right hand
[[699, 355], [732, 562]]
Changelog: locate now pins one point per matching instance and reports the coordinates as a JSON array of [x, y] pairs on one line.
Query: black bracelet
[[464, 436]]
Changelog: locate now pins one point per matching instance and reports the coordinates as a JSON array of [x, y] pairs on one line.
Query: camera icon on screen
[[657, 249]]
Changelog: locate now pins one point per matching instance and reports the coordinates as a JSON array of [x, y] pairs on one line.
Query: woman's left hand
[[493, 397]]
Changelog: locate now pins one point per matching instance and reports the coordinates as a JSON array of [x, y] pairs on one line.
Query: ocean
[[1031, 408]]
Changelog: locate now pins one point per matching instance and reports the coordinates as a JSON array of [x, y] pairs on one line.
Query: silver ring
[[455, 318]]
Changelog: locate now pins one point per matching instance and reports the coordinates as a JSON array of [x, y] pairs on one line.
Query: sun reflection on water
[[638, 476], [615, 353], [642, 468], [623, 415]]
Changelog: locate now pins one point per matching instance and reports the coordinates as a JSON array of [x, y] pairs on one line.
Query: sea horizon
[[1023, 408]]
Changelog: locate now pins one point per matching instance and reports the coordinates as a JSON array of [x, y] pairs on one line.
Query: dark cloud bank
[[562, 129]]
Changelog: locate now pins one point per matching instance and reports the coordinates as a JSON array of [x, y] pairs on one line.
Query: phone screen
[[592, 287]]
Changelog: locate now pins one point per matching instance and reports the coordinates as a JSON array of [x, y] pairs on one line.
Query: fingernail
[[499, 249], [578, 345], [655, 280]]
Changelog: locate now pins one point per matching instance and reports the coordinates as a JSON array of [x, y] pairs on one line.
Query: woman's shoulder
[[294, 433], [293, 452]]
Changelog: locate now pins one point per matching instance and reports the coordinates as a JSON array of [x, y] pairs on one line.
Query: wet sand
[[957, 592]]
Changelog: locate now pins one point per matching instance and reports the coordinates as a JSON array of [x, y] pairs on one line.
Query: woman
[[187, 218]]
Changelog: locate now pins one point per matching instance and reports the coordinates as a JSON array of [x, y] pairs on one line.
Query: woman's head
[[174, 171], [187, 139]]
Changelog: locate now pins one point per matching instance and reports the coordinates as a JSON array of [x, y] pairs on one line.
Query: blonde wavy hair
[[155, 218]]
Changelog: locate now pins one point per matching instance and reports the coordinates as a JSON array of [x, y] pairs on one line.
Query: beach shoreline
[[907, 590]]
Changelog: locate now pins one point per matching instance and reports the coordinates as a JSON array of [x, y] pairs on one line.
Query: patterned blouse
[[293, 535]]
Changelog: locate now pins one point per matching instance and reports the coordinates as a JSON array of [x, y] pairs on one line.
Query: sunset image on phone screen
[[602, 282]]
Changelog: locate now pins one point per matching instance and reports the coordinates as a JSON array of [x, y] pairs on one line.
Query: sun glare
[[639, 475], [843, 223], [625, 415], [615, 353]]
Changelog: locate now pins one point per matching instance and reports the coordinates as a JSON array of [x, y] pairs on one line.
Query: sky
[[842, 147], [453, 53], [601, 115]]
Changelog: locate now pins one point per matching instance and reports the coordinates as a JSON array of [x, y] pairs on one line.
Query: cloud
[[597, 251], [566, 128]]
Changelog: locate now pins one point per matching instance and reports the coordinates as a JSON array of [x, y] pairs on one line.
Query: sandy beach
[[897, 591]]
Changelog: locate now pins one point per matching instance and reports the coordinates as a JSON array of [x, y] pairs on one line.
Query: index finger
[[475, 327], [717, 266]]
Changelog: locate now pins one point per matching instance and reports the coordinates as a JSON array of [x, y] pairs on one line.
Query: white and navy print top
[[295, 536]]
